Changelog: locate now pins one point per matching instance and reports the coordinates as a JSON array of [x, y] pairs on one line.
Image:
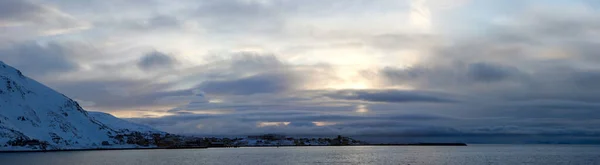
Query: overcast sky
[[393, 70]]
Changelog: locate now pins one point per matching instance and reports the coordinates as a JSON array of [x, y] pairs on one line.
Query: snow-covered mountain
[[35, 117]]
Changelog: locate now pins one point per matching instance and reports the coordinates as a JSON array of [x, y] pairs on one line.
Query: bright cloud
[[272, 124]]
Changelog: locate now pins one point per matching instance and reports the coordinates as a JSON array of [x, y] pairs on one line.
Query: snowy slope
[[120, 124], [33, 116]]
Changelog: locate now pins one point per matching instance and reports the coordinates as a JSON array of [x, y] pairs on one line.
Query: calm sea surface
[[474, 154]]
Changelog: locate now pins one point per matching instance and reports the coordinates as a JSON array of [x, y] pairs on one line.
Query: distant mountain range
[[35, 117]]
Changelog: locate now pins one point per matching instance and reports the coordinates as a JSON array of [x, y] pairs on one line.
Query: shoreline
[[373, 145], [179, 148], [101, 149]]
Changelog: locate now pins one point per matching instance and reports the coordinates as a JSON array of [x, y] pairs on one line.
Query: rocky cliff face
[[35, 117]]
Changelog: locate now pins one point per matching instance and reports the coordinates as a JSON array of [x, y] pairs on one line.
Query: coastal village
[[274, 140], [281, 140]]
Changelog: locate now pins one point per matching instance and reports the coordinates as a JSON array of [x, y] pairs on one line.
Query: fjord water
[[474, 154]]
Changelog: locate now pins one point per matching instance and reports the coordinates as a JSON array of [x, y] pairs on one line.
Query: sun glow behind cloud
[[323, 124], [139, 113], [362, 109], [272, 124]]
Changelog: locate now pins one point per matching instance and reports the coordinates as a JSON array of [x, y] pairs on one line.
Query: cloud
[[391, 96], [483, 72], [523, 56], [264, 83], [235, 16], [156, 60], [124, 94], [161, 22], [457, 76], [14, 10], [39, 18], [395, 42], [143, 25], [247, 73], [36, 59]]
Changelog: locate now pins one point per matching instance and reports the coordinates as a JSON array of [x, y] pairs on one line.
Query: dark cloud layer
[[483, 72], [156, 60], [123, 94], [264, 83], [391, 96], [39, 59], [13, 10]]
